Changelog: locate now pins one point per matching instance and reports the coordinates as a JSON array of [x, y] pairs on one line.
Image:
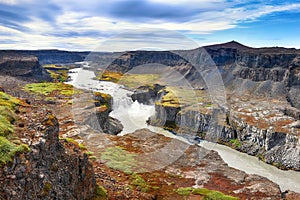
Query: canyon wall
[[48, 171]]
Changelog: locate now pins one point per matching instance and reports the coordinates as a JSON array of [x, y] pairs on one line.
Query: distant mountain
[[229, 45]]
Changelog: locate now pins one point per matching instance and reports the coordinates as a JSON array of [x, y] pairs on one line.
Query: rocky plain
[[45, 153]]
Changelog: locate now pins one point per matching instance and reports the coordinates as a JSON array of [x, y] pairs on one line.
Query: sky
[[115, 25]]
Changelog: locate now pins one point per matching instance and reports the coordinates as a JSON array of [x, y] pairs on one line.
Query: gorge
[[155, 116]]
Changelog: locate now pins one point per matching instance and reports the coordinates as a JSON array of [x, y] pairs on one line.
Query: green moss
[[8, 150], [82, 146], [46, 189], [118, 158], [48, 88], [89, 153], [9, 144], [7, 113], [206, 193], [100, 193], [139, 183], [129, 80], [93, 157], [235, 142], [184, 191]]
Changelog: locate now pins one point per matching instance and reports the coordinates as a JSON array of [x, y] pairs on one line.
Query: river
[[133, 116]]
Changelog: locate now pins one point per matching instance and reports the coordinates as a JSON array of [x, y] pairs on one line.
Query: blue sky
[[140, 24]]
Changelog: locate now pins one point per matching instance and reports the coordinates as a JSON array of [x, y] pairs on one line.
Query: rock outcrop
[[148, 94], [274, 147], [48, 171], [24, 66], [96, 115]]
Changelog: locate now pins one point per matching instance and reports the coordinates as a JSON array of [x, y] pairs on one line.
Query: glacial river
[[133, 116]]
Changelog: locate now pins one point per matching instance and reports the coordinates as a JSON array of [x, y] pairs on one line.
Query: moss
[[110, 76], [46, 189], [8, 150], [206, 193], [118, 158], [100, 193], [129, 80], [261, 157], [82, 146], [49, 120], [93, 157], [235, 142], [72, 141], [7, 113], [89, 153], [184, 191], [48, 88], [49, 99], [139, 183]]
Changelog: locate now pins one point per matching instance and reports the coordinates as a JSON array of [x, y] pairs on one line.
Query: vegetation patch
[[59, 75], [109, 76], [235, 143], [100, 193], [120, 159], [129, 80], [139, 183], [48, 88], [206, 193], [8, 150], [7, 113]]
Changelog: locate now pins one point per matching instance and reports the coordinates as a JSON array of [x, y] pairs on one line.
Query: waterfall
[[132, 115]]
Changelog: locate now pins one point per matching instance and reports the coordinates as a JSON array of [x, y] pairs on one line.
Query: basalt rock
[[148, 94], [277, 148], [48, 171], [99, 118], [24, 66]]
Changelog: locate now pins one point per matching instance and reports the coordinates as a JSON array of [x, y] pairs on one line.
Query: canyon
[[255, 110]]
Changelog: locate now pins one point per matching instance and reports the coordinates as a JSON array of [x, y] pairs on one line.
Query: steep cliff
[[48, 171], [272, 145], [21, 65], [96, 114]]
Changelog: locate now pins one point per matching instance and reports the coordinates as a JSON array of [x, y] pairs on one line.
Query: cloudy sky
[[160, 24]]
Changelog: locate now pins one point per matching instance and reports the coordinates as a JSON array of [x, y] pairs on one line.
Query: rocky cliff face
[[274, 147], [48, 171], [96, 114], [148, 94], [269, 75], [20, 65]]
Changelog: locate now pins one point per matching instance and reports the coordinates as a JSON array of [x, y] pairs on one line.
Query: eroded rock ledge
[[48, 171]]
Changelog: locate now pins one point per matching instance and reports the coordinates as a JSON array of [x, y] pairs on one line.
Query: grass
[[48, 88], [206, 193], [118, 158]]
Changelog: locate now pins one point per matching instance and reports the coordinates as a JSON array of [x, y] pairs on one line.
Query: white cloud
[[45, 34], [14, 2]]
